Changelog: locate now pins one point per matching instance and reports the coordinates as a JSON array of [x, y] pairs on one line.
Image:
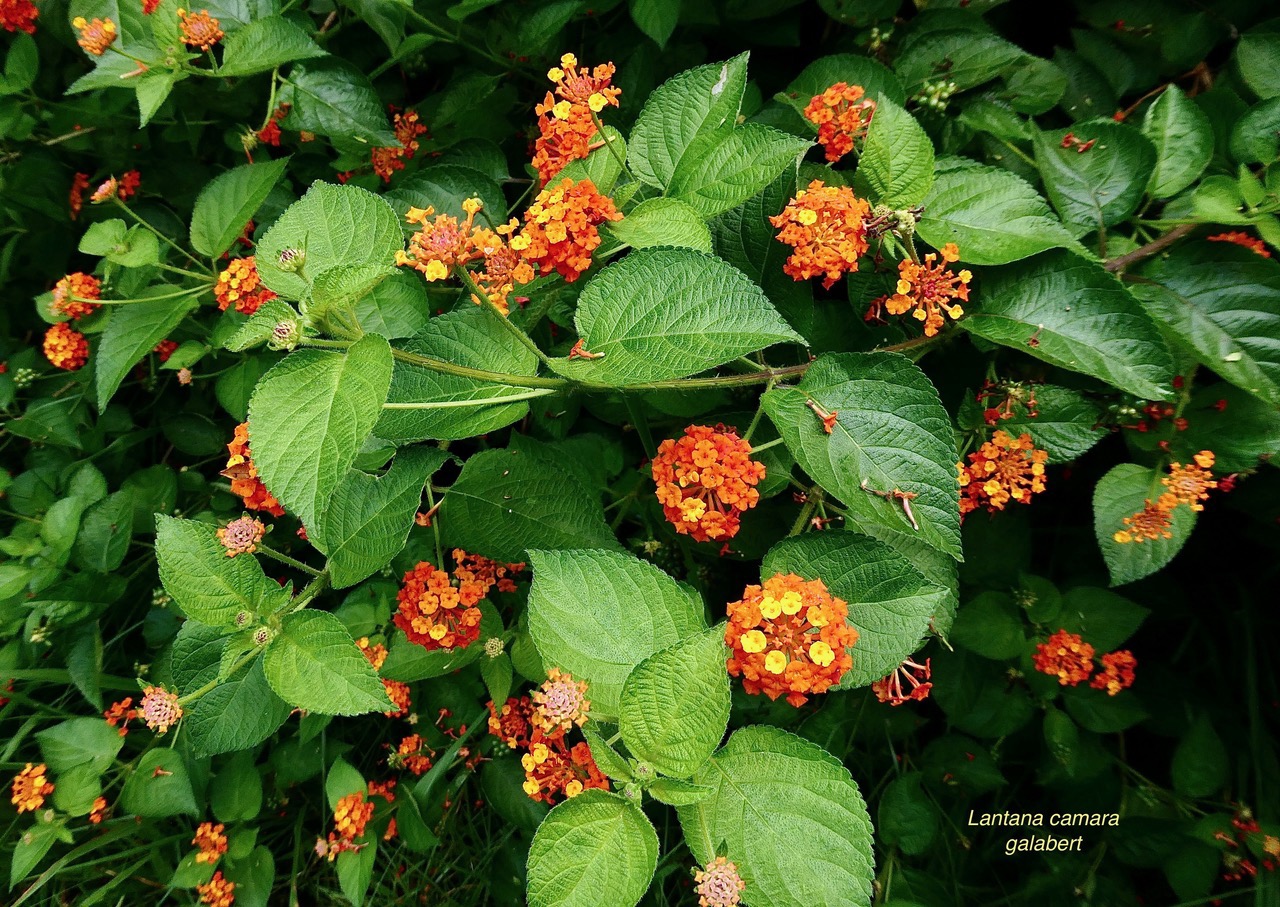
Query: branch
[[1159, 244]]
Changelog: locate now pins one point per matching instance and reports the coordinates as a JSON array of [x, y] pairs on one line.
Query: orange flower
[[387, 161], [71, 295], [431, 612], [211, 842], [75, 198], [503, 266], [96, 36], [442, 243], [706, 480], [826, 228], [513, 724], [199, 29], [240, 285], [351, 814], [841, 117], [789, 637], [718, 884], [930, 289], [552, 767], [129, 184], [217, 892], [560, 228], [1117, 672], [108, 189], [1189, 484], [98, 811], [409, 755], [592, 89], [891, 690], [149, 6], [18, 15], [241, 536], [565, 131], [1253, 244], [1065, 656], [120, 714], [30, 787], [384, 789], [560, 704], [1003, 469], [244, 475], [400, 697], [159, 709], [165, 348], [376, 653], [65, 347], [1151, 522]]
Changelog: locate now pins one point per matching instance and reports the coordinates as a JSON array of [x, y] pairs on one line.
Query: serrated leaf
[[674, 707], [906, 818], [791, 817], [206, 584], [132, 331], [1183, 139], [344, 284], [602, 166], [897, 159], [79, 741], [1201, 764], [890, 601], [313, 664], [334, 98], [891, 431], [264, 44], [656, 18], [196, 655], [595, 848], [105, 532], [229, 201], [607, 759], [669, 313], [721, 170], [675, 792], [1099, 187], [239, 713], [395, 308], [159, 786], [597, 614], [308, 417], [1123, 492], [1071, 313], [662, 222], [967, 57], [1067, 424]]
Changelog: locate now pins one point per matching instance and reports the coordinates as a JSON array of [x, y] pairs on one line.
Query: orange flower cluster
[[592, 89], [718, 885], [384, 789], [891, 689], [120, 714], [1117, 672], [1186, 486], [217, 892], [551, 766], [159, 709], [240, 285], [30, 787], [150, 6], [65, 347], [241, 536], [96, 36], [1252, 243], [560, 704], [409, 755], [199, 29], [436, 613], [244, 475], [789, 637], [706, 480], [560, 228], [1069, 658], [400, 697], [387, 161], [931, 289], [270, 133], [75, 198], [1003, 469], [513, 723], [18, 15], [842, 116], [567, 126], [211, 842], [826, 229], [374, 653], [72, 293]]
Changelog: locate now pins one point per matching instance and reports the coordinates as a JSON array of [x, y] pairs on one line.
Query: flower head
[[431, 612], [892, 690], [590, 88], [442, 242], [718, 884], [512, 724], [1117, 672], [211, 842], [1065, 656], [931, 289], [159, 709], [826, 229], [217, 892], [400, 696], [107, 190], [119, 714], [1239, 238], [165, 348], [560, 228], [789, 637], [65, 347], [842, 115], [504, 267], [706, 480], [199, 29], [374, 653], [1151, 522], [560, 704], [98, 811], [565, 132], [351, 814], [1003, 469], [244, 475], [30, 787], [240, 285], [18, 15], [552, 767], [241, 536], [96, 36], [1189, 484], [72, 295], [408, 128], [409, 755]]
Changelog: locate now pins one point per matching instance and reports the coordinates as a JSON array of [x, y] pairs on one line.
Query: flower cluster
[[512, 724], [210, 841], [894, 691], [930, 289], [199, 29], [1185, 486], [397, 692], [1239, 238], [560, 704], [98, 811], [350, 816], [551, 766], [560, 232], [244, 475], [241, 536], [567, 126], [119, 714], [239, 285], [842, 116], [789, 637], [440, 611], [18, 15], [718, 884], [1069, 658], [30, 787], [159, 709], [217, 892], [387, 161], [269, 134], [999, 400], [706, 480], [73, 295], [111, 188], [1003, 469], [96, 36], [410, 756], [75, 198], [826, 229], [65, 347]]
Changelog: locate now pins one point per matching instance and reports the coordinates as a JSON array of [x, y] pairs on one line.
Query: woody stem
[[1159, 244]]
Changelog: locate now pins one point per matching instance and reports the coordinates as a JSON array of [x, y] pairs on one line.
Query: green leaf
[[237, 714], [790, 815], [333, 225], [497, 674], [1123, 492], [1224, 303], [152, 91], [254, 877], [1201, 765], [313, 664], [1073, 314], [1102, 186], [229, 201], [696, 102], [343, 779], [598, 614], [890, 602], [139, 248], [133, 331], [355, 872], [1255, 138], [964, 56], [264, 44], [236, 792], [506, 500], [159, 786], [334, 98], [607, 759], [206, 584], [1183, 139], [79, 741], [656, 18], [602, 166], [196, 655], [1105, 619], [668, 313], [906, 818], [990, 624], [77, 789], [1067, 423], [852, 69], [30, 848], [395, 308], [675, 704], [308, 417], [472, 337], [897, 159], [342, 285], [258, 329], [1258, 57], [103, 237], [1243, 432], [21, 65], [445, 187], [721, 170], [994, 216], [891, 431], [662, 222], [674, 792], [367, 519], [593, 849]]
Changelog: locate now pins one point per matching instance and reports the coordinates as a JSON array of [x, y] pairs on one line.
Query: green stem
[[608, 143], [810, 505], [755, 420], [182, 271], [480, 295], [243, 660], [286, 560], [435, 525], [758, 448], [641, 424], [314, 588], [480, 401], [164, 239], [189, 291]]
